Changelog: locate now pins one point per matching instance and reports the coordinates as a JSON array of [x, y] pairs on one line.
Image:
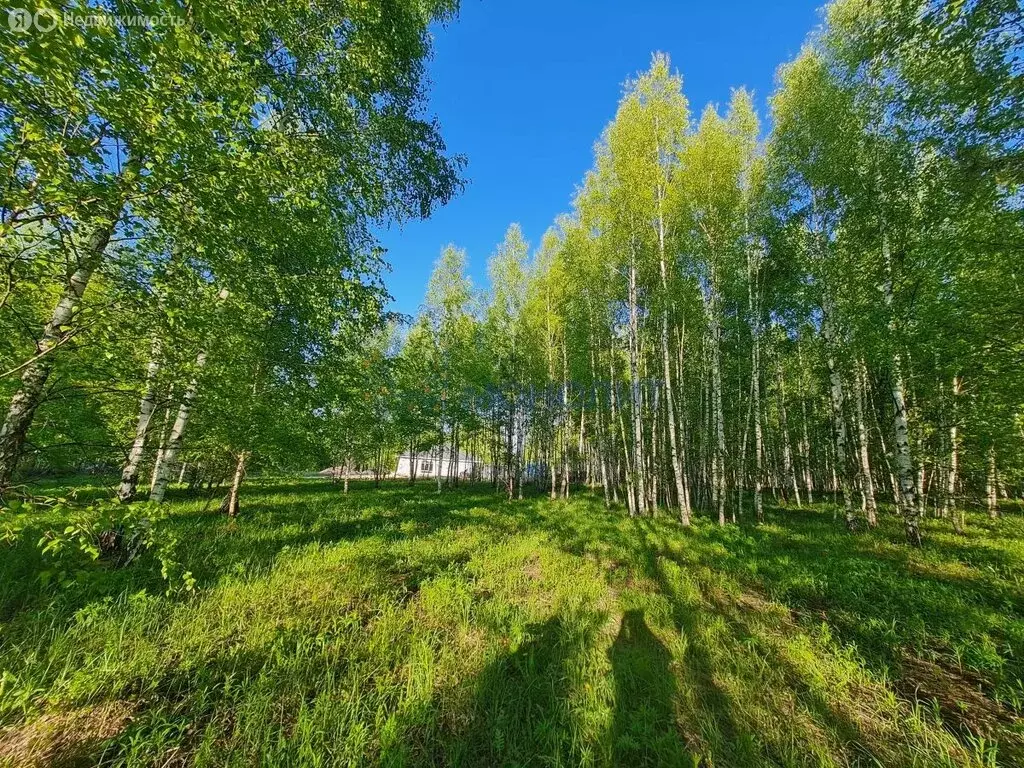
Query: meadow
[[401, 627]]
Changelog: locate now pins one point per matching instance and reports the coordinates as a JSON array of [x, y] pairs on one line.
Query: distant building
[[430, 464]]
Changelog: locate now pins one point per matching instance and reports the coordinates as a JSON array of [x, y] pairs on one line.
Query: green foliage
[[91, 539], [238, 151]]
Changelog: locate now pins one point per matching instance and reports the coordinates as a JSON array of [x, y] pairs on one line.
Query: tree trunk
[[440, 450], [600, 430], [520, 444], [236, 484], [637, 463], [566, 421], [682, 492], [787, 454], [805, 443], [684, 460], [755, 385], [867, 482], [553, 432], [162, 444], [838, 419], [170, 454], [130, 471], [992, 484], [56, 332], [717, 415], [652, 493], [616, 422], [627, 460], [950, 506], [904, 463]]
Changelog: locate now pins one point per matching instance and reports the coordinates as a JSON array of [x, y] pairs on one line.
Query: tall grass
[[401, 627]]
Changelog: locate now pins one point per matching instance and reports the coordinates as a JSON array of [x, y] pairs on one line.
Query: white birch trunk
[[787, 453], [616, 423], [678, 472], [56, 332], [867, 482], [236, 484], [170, 453], [162, 444], [520, 443], [630, 488], [805, 442], [904, 463], [566, 421], [600, 429], [440, 448], [950, 506], [717, 415], [755, 385], [679, 421], [637, 464], [992, 484], [840, 469], [130, 471]]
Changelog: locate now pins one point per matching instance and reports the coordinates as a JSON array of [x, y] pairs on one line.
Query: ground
[[402, 627]]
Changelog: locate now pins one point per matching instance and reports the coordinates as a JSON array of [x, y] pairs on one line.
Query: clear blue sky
[[523, 89]]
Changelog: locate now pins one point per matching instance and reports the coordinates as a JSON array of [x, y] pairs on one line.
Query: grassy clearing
[[398, 627]]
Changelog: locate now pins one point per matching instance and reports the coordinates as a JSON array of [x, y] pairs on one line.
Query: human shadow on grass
[[629, 551], [519, 712], [644, 729], [708, 714]]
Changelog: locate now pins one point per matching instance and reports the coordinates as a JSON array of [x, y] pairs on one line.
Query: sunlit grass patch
[[405, 628]]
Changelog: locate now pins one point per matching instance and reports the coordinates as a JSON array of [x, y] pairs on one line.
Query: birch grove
[[736, 313], [749, 316]]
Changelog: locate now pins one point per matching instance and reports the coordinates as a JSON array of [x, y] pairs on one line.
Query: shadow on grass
[[881, 597], [644, 727], [519, 708], [276, 514]]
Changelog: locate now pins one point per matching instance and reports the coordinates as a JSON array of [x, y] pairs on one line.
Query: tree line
[[832, 311], [826, 310]]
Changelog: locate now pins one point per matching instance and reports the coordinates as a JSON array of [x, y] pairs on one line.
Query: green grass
[[399, 627]]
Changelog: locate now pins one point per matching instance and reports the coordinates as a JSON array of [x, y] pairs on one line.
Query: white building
[[429, 464]]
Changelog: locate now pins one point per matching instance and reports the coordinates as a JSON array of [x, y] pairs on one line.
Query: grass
[[398, 627]]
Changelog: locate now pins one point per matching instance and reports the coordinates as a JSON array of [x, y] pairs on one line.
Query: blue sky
[[523, 89]]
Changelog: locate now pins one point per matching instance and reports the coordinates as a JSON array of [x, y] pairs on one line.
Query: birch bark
[[949, 505], [56, 332], [867, 482], [904, 463], [634, 371], [170, 453], [130, 471], [840, 468], [787, 453]]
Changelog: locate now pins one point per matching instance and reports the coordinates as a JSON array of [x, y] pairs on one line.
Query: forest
[[752, 408]]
